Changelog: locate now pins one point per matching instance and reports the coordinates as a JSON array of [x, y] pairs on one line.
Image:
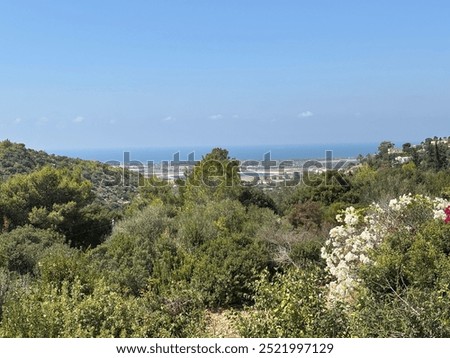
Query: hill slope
[[16, 158]]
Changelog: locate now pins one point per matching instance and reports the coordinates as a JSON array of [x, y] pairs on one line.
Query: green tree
[[56, 199], [215, 177], [383, 151]]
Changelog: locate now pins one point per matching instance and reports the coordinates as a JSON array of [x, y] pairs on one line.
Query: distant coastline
[[277, 152]]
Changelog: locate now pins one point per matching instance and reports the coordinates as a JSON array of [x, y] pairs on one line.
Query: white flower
[[439, 214], [350, 257], [350, 243], [364, 259], [393, 204], [351, 218]]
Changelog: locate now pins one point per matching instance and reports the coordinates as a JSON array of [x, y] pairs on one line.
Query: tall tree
[[216, 176]]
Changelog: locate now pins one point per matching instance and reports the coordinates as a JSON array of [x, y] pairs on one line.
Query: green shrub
[[22, 248], [292, 304], [127, 256], [69, 310]]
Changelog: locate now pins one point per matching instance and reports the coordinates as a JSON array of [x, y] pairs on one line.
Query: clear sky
[[93, 74]]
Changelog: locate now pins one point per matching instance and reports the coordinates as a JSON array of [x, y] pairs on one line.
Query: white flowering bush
[[351, 243]]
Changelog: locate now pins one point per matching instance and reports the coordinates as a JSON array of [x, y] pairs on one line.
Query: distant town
[[267, 173]]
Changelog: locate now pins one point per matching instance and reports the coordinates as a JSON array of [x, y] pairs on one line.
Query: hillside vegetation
[[356, 253]]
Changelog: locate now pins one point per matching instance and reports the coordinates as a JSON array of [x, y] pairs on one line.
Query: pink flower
[[447, 212]]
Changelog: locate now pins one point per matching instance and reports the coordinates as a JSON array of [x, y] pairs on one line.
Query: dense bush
[[23, 248], [127, 256], [292, 305], [391, 268], [49, 310]]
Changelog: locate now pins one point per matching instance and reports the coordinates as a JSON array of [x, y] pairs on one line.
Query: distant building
[[402, 160], [444, 140], [395, 150]]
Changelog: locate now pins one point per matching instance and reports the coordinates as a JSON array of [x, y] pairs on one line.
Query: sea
[[251, 152]]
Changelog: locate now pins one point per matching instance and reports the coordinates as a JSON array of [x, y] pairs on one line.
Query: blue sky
[[96, 74]]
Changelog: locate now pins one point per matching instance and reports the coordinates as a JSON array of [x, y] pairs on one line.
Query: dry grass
[[219, 324]]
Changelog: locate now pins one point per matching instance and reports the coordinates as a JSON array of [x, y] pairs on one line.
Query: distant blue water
[[277, 152]]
